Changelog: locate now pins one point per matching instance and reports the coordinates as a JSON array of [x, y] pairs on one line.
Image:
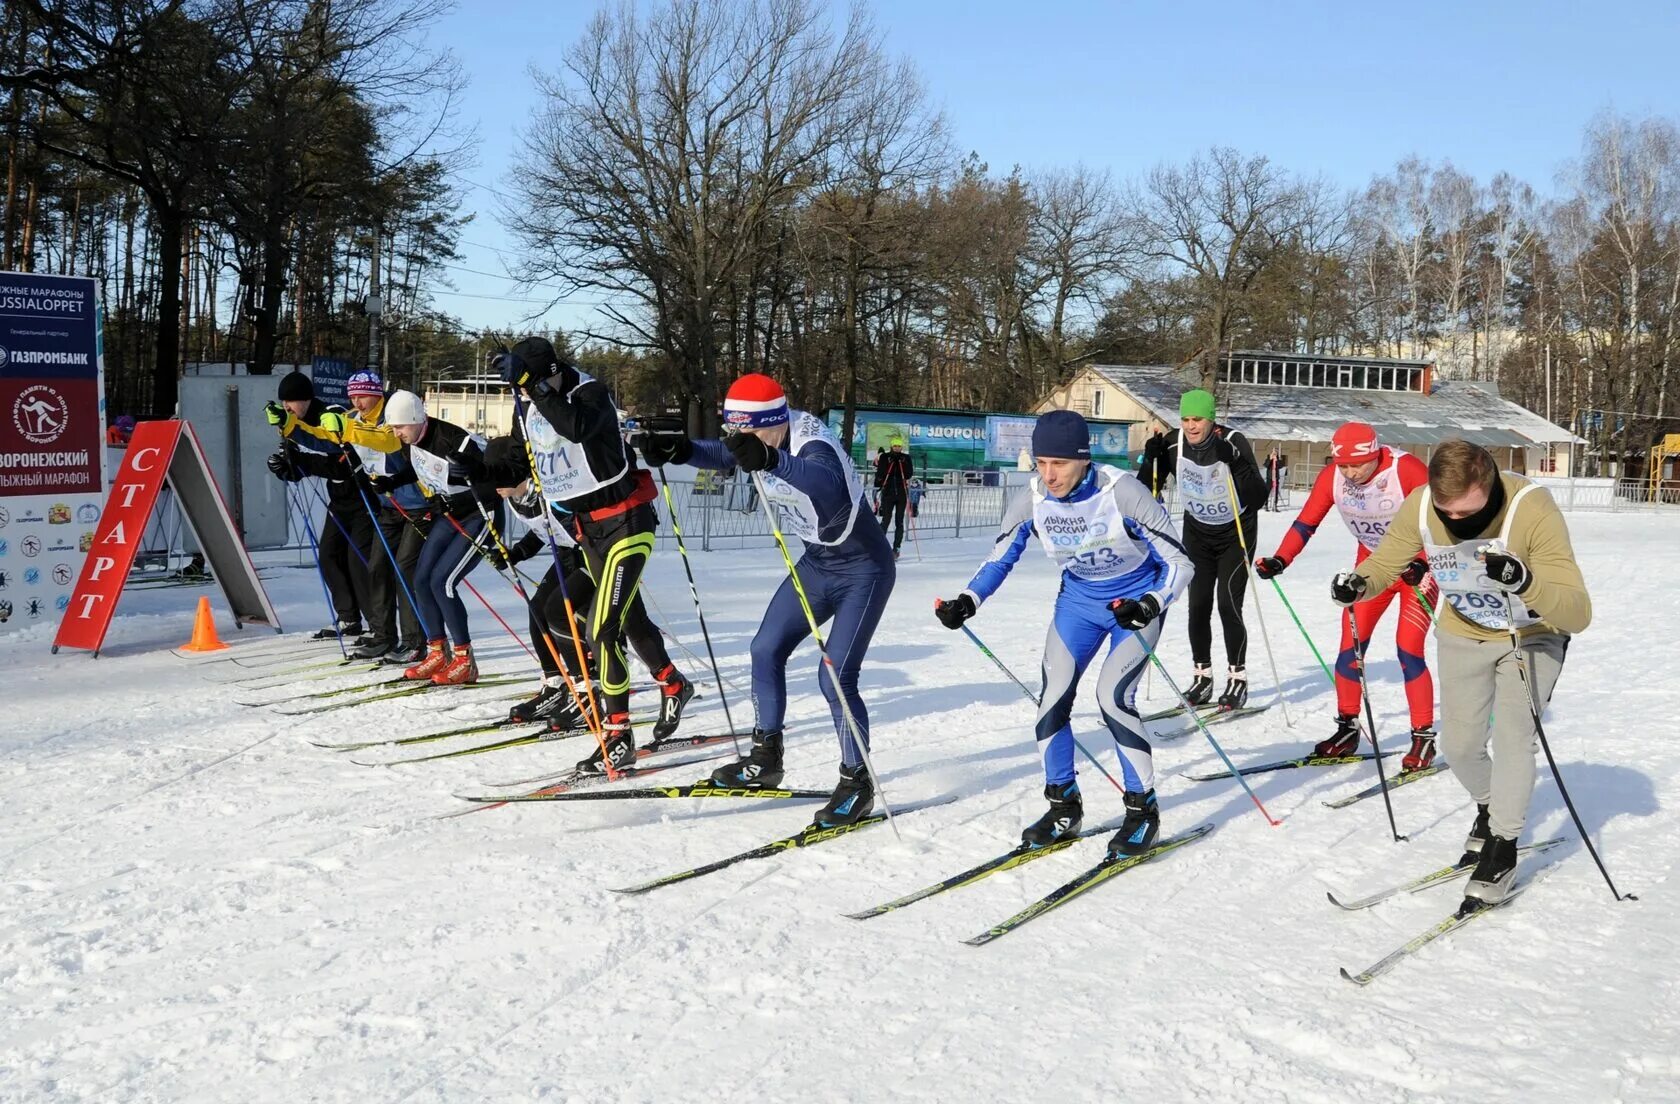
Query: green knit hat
[[1196, 404]]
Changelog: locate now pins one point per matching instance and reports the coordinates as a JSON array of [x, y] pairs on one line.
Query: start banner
[[52, 440]]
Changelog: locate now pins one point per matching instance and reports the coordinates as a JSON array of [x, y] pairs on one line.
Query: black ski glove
[[1135, 613], [1225, 450], [1506, 570], [381, 484], [1414, 573], [751, 454], [494, 555], [1347, 588], [953, 613], [659, 448], [518, 555], [438, 507], [1268, 567]]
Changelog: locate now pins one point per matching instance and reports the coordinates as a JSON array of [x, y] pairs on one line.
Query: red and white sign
[[159, 451]]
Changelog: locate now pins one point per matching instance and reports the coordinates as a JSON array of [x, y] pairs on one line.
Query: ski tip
[[864, 915], [1361, 980], [980, 940]]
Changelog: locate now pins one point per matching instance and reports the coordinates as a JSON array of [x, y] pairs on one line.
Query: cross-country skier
[[847, 572], [1208, 459], [310, 449], [893, 472], [446, 460], [1366, 482], [1498, 547], [508, 468], [1122, 563], [585, 469]]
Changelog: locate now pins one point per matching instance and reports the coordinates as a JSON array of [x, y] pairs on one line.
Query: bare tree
[[1082, 245]]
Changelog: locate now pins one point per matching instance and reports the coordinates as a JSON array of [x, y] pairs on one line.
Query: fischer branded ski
[[806, 837], [1433, 878], [1288, 764], [469, 730], [670, 743], [1405, 778], [1085, 882], [1212, 717], [698, 789], [575, 779], [1451, 923], [335, 692], [401, 692], [1009, 860]]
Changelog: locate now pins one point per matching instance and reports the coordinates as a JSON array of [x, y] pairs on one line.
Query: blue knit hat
[[1062, 435]]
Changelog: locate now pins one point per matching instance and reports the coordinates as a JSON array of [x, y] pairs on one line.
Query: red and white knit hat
[[755, 401], [1354, 443]]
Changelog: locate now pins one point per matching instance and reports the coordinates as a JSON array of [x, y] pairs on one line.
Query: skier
[[585, 469], [1209, 460], [310, 449], [508, 468], [1366, 482], [1498, 546], [1122, 564], [847, 572], [444, 460], [893, 472], [1274, 478]]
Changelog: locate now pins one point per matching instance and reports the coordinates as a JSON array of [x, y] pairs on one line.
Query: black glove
[[1224, 449], [518, 555], [952, 614], [1347, 588], [1414, 573], [751, 454], [661, 448], [280, 464], [1135, 613], [515, 370], [437, 506], [1156, 447], [1268, 567], [464, 469], [494, 555], [1508, 571], [380, 484]]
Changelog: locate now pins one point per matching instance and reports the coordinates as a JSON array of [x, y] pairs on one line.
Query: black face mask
[[1476, 524]]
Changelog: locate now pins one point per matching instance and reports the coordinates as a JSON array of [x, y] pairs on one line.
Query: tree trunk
[[266, 318]]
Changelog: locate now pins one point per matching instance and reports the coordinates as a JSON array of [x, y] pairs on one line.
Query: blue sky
[[1340, 89]]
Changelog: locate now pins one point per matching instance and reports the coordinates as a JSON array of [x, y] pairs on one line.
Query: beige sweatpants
[[1479, 678]]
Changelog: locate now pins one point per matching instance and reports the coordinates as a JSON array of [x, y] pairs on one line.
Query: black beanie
[[505, 462], [295, 387]]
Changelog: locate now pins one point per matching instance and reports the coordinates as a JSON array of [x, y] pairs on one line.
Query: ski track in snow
[[197, 905]]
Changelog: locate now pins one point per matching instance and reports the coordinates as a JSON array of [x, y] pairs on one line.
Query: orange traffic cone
[[204, 637]]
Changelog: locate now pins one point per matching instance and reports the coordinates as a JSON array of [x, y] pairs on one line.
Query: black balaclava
[[1476, 524]]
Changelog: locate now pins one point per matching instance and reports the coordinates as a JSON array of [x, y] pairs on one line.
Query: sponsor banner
[[1006, 436], [52, 441], [331, 378], [937, 440]]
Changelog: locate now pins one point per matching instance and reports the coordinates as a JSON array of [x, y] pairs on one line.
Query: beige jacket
[[1556, 592]]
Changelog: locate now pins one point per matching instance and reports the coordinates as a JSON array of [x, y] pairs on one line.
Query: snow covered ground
[[198, 905]]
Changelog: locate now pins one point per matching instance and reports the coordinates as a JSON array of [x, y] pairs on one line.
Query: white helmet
[[404, 408]]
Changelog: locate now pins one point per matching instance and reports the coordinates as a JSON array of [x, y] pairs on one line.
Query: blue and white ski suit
[[1112, 540], [847, 572]]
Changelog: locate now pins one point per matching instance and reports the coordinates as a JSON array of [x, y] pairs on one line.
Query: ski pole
[[1284, 598], [485, 555], [1259, 607], [1526, 675], [856, 731], [571, 614], [537, 615], [314, 545], [1371, 722], [700, 613], [396, 568], [1197, 717], [1032, 697]]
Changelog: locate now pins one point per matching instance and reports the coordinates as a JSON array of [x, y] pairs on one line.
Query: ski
[[1288, 764], [806, 837], [575, 779], [309, 672], [1085, 882], [1009, 860], [1405, 778], [338, 691], [468, 730], [698, 789], [1211, 718], [1432, 879], [1451, 923], [670, 743], [401, 692]]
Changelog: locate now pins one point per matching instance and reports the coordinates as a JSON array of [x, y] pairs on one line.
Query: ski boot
[[761, 769], [567, 718], [437, 657], [375, 648], [1344, 742], [620, 744], [404, 654], [1236, 691], [674, 692], [1062, 819], [852, 800], [1201, 687], [1138, 831], [548, 698], [1423, 750], [1480, 833], [1494, 873], [460, 671], [345, 629]]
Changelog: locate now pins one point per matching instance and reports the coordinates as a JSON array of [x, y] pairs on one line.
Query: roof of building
[[1473, 411]]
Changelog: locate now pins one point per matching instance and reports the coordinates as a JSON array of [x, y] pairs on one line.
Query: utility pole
[[374, 305]]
